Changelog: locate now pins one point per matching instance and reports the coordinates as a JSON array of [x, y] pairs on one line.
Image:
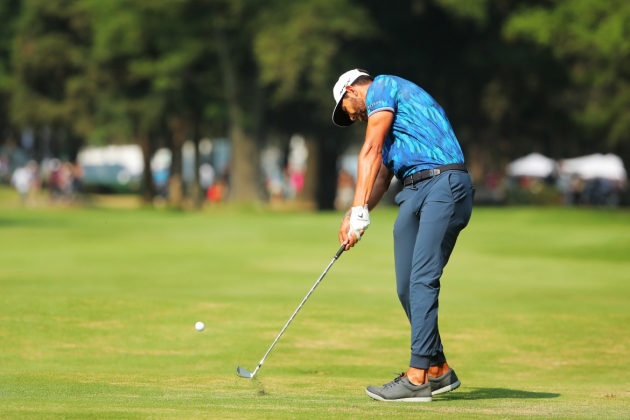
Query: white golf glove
[[359, 220]]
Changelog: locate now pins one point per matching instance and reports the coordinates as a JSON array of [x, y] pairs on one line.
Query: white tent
[[607, 166], [128, 156], [534, 165]]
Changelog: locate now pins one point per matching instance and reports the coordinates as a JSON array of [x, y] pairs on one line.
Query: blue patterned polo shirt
[[421, 137]]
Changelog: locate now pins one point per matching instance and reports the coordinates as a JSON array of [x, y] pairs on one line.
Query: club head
[[244, 373]]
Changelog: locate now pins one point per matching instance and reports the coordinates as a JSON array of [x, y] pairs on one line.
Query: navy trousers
[[431, 215]]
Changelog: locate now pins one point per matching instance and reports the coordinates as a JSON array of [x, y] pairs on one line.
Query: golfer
[[408, 136]]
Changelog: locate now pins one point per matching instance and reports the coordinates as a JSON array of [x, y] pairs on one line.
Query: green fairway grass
[[98, 307]]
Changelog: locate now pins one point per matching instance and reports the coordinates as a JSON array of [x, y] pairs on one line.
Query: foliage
[[592, 38], [513, 77], [476, 10], [320, 29], [144, 52], [8, 13], [9, 10], [50, 60]]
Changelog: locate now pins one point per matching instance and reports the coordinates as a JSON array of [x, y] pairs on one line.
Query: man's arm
[[370, 156], [381, 185], [368, 190]]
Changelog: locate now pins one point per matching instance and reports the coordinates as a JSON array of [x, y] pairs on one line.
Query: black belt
[[430, 173]]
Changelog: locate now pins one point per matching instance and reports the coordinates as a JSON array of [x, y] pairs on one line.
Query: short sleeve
[[381, 95]]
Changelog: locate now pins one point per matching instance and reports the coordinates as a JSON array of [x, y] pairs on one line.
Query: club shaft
[[339, 252]]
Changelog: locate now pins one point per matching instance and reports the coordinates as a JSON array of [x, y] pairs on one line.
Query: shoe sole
[[414, 399], [447, 388]]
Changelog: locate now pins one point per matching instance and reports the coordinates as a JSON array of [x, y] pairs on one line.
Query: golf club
[[244, 373]]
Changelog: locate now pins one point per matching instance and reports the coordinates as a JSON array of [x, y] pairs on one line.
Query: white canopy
[[128, 156], [607, 166], [534, 164]]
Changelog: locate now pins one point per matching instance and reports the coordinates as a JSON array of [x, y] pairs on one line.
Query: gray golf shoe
[[400, 389], [444, 383]]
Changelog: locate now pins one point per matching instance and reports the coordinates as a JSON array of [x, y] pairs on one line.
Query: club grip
[[338, 254]]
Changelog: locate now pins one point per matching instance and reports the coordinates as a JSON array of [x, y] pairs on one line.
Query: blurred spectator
[[217, 192], [36, 180], [345, 190], [11, 157], [576, 187], [289, 192], [4, 167], [492, 180], [296, 179], [563, 184], [206, 175], [67, 180], [601, 192], [77, 180], [54, 179], [275, 187], [271, 164], [21, 180], [64, 180], [26, 180], [295, 168]]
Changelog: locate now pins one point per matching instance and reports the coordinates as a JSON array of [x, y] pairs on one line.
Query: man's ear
[[351, 89]]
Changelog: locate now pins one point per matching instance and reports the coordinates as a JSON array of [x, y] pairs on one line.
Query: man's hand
[[352, 228], [345, 238], [343, 233], [359, 221]]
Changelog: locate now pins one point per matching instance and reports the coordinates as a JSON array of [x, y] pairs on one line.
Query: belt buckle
[[435, 172]]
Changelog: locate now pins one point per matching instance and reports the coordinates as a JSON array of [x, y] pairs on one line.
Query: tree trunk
[[195, 188], [308, 195], [244, 166], [326, 190], [178, 128], [476, 162], [148, 187]]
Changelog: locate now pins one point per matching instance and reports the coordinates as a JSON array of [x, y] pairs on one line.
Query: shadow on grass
[[495, 393], [39, 223]]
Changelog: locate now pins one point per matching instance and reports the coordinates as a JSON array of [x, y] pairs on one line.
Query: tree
[[50, 59], [131, 69], [231, 22], [500, 98], [295, 48], [133, 73], [514, 77], [591, 39], [158, 75], [9, 11]]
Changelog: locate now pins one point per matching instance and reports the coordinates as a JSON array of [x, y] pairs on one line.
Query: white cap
[[339, 117]]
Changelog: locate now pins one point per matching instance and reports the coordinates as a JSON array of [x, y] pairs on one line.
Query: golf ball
[[199, 326]]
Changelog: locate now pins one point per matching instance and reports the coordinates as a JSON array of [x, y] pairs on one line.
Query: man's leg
[[405, 237], [405, 232], [445, 211], [413, 225]]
